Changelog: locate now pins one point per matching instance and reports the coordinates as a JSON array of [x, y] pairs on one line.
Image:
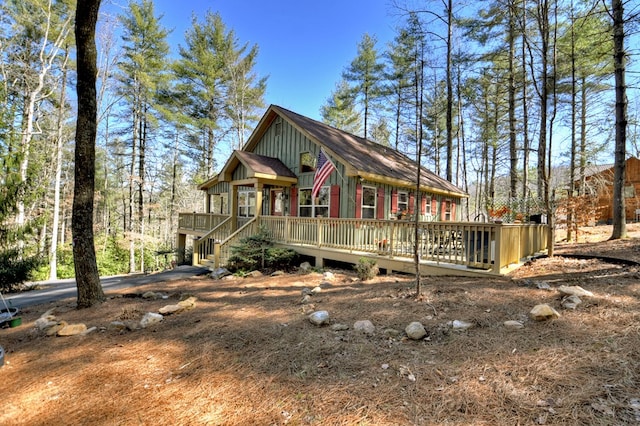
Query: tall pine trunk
[[53, 249], [619, 219], [84, 256]]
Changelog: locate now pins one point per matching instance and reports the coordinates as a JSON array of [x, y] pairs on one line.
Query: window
[[307, 162], [278, 127], [447, 210], [427, 208], [368, 202], [246, 203], [318, 207], [403, 203]]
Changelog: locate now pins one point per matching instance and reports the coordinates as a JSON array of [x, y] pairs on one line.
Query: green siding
[[219, 188]]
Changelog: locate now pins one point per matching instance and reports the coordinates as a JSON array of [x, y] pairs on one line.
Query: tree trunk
[[572, 163], [53, 250], [619, 219], [513, 143], [525, 117], [84, 256], [449, 169], [583, 135]]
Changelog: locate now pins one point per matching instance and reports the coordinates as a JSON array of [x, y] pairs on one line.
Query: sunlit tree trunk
[[84, 256]]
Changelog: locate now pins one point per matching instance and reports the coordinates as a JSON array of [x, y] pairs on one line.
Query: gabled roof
[[361, 157], [258, 166]]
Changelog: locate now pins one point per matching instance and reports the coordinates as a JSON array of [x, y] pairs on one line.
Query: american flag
[[323, 170]]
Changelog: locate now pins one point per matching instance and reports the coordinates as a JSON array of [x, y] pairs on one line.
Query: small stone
[[571, 302], [316, 290], [278, 273], [543, 285], [305, 267], [150, 318], [255, 274], [72, 330], [151, 295], [170, 309], [219, 273], [306, 291], [574, 290], [415, 331], [319, 317], [53, 330], [188, 303], [543, 312], [44, 323], [461, 325], [328, 276], [325, 284], [306, 299], [339, 327], [514, 325], [364, 326]]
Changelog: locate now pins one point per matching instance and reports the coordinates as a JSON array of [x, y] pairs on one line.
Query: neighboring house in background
[[275, 172], [600, 184]]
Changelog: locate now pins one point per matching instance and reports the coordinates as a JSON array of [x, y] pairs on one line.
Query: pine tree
[[366, 73], [143, 74], [339, 110]]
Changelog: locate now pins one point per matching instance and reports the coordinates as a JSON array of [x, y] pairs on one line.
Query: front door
[[277, 202]]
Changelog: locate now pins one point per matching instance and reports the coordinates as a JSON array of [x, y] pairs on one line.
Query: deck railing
[[490, 246], [202, 222], [205, 245], [478, 245]]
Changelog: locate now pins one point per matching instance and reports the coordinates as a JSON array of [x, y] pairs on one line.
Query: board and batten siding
[[219, 188]]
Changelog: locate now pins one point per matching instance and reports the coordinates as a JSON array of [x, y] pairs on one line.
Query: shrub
[[15, 270], [366, 268], [257, 252]]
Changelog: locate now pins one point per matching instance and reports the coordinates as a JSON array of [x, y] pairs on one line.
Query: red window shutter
[[394, 201], [358, 213], [434, 206], [334, 197], [453, 211], [293, 199], [412, 202], [443, 209], [380, 204], [423, 204]]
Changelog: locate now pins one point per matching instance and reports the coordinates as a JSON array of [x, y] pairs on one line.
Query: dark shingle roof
[[367, 157]]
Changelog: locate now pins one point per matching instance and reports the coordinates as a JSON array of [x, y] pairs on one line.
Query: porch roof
[[258, 167], [361, 157]]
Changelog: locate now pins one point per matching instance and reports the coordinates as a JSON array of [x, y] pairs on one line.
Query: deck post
[[195, 257], [319, 231], [497, 261], [181, 245], [391, 239], [216, 255]]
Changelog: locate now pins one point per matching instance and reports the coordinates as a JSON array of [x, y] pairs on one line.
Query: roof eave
[[406, 184]]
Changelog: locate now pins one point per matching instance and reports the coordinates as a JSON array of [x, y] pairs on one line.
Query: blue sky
[[304, 45]]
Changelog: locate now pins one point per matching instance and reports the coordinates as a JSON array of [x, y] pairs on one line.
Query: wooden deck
[[445, 248]]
